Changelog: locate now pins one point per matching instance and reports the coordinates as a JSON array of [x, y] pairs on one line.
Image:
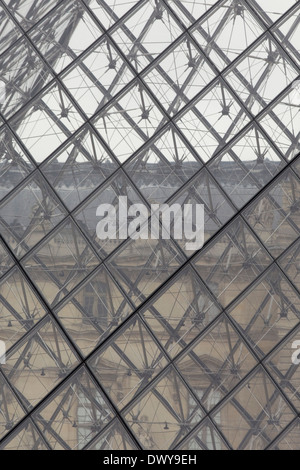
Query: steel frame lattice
[[140, 344]]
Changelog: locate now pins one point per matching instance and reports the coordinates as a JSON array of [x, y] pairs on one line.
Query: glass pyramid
[[141, 344]]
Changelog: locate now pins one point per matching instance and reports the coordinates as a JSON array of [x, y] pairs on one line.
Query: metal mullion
[[219, 262], [271, 113], [282, 434], [113, 15], [212, 425], [95, 406], [260, 99], [44, 304], [293, 258], [21, 242], [15, 347], [56, 78], [230, 67], [269, 24], [5, 382], [57, 437], [156, 380], [13, 312], [41, 342], [117, 420], [248, 172], [284, 378], [40, 436], [193, 21], [4, 21], [180, 435], [285, 42], [47, 424], [133, 286], [50, 275], [285, 215], [277, 393], [174, 335], [229, 398], [150, 66], [68, 215], [27, 347], [30, 21], [210, 375], [110, 99]]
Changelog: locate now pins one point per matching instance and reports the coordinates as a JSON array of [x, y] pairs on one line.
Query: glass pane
[[290, 439], [77, 170], [164, 414], [128, 363], [130, 122], [163, 168], [205, 438], [296, 166], [227, 31], [61, 263], [262, 74], [46, 124], [20, 308], [11, 412], [75, 414], [29, 12], [29, 215], [9, 31], [39, 363], [232, 261], [109, 11], [270, 10], [180, 312], [14, 163], [179, 76], [141, 266], [64, 34], [282, 123], [111, 193], [25, 438], [267, 312], [290, 263], [97, 77], [246, 167], [6, 261], [24, 74], [190, 10], [216, 363], [94, 311], [283, 365], [114, 438], [146, 33], [213, 120], [218, 210], [288, 33], [255, 414], [274, 216]]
